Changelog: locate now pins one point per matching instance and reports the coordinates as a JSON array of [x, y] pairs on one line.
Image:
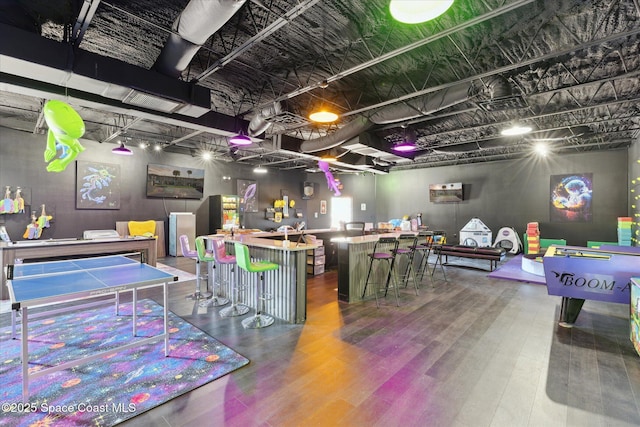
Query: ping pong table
[[56, 282]]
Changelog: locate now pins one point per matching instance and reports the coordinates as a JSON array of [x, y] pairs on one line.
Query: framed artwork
[[248, 195], [97, 185], [323, 207], [174, 182], [570, 198]]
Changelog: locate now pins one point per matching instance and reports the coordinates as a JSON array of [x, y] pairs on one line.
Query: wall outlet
[[363, 206], [315, 214]]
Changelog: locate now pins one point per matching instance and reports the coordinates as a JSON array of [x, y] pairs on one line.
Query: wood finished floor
[[473, 351]]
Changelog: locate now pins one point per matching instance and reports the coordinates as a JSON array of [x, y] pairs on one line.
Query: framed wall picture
[[323, 207], [97, 185], [248, 194], [174, 182], [570, 197]]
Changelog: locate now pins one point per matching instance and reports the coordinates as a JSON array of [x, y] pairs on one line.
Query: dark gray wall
[[511, 193], [506, 193], [22, 164]]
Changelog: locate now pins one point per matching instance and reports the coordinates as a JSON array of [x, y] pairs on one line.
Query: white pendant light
[[417, 11]]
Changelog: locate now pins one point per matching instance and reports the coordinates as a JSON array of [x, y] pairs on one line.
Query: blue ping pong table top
[[56, 278]]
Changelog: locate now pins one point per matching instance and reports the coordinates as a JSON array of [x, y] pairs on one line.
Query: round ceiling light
[[417, 11], [323, 116], [240, 139], [404, 147]]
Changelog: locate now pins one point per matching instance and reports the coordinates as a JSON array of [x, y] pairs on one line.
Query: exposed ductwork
[[351, 130], [495, 87], [193, 27], [259, 124], [423, 105]]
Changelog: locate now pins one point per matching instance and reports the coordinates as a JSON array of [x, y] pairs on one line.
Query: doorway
[[341, 211]]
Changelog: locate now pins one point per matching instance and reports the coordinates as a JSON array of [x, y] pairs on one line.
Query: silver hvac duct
[[197, 22], [496, 86], [354, 128], [259, 123], [423, 106]]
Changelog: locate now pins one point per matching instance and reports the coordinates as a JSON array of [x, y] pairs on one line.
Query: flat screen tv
[[446, 193], [174, 182]]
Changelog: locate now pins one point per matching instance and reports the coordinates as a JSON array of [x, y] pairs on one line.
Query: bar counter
[[287, 285], [353, 265]]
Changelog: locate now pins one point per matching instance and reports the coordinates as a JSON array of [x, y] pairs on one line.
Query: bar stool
[[405, 249], [243, 260], [205, 256], [383, 251], [424, 249], [187, 252], [221, 256], [439, 239]]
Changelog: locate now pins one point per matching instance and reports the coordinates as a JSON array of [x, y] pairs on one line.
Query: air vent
[[152, 102], [511, 102]]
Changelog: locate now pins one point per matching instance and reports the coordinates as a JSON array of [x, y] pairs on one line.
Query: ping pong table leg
[[13, 324], [135, 312], [166, 315], [24, 354], [117, 303]]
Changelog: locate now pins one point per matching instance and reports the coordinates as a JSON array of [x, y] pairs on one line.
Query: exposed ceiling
[[188, 75]]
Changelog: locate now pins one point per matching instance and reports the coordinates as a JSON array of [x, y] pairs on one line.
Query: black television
[[446, 193], [174, 182]]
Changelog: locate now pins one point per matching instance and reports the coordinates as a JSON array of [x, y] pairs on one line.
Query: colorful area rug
[[112, 389], [512, 270]]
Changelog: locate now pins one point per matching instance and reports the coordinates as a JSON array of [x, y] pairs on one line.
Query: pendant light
[[122, 150], [240, 139], [322, 113], [417, 11], [407, 145]]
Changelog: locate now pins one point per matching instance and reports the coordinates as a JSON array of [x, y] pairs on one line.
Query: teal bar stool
[[206, 256], [243, 259]]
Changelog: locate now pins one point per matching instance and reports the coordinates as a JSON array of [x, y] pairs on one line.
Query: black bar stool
[[383, 251], [439, 239], [424, 249], [405, 250]]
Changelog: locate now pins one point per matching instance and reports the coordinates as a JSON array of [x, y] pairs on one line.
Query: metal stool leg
[[259, 320], [216, 300], [198, 294], [236, 308]]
